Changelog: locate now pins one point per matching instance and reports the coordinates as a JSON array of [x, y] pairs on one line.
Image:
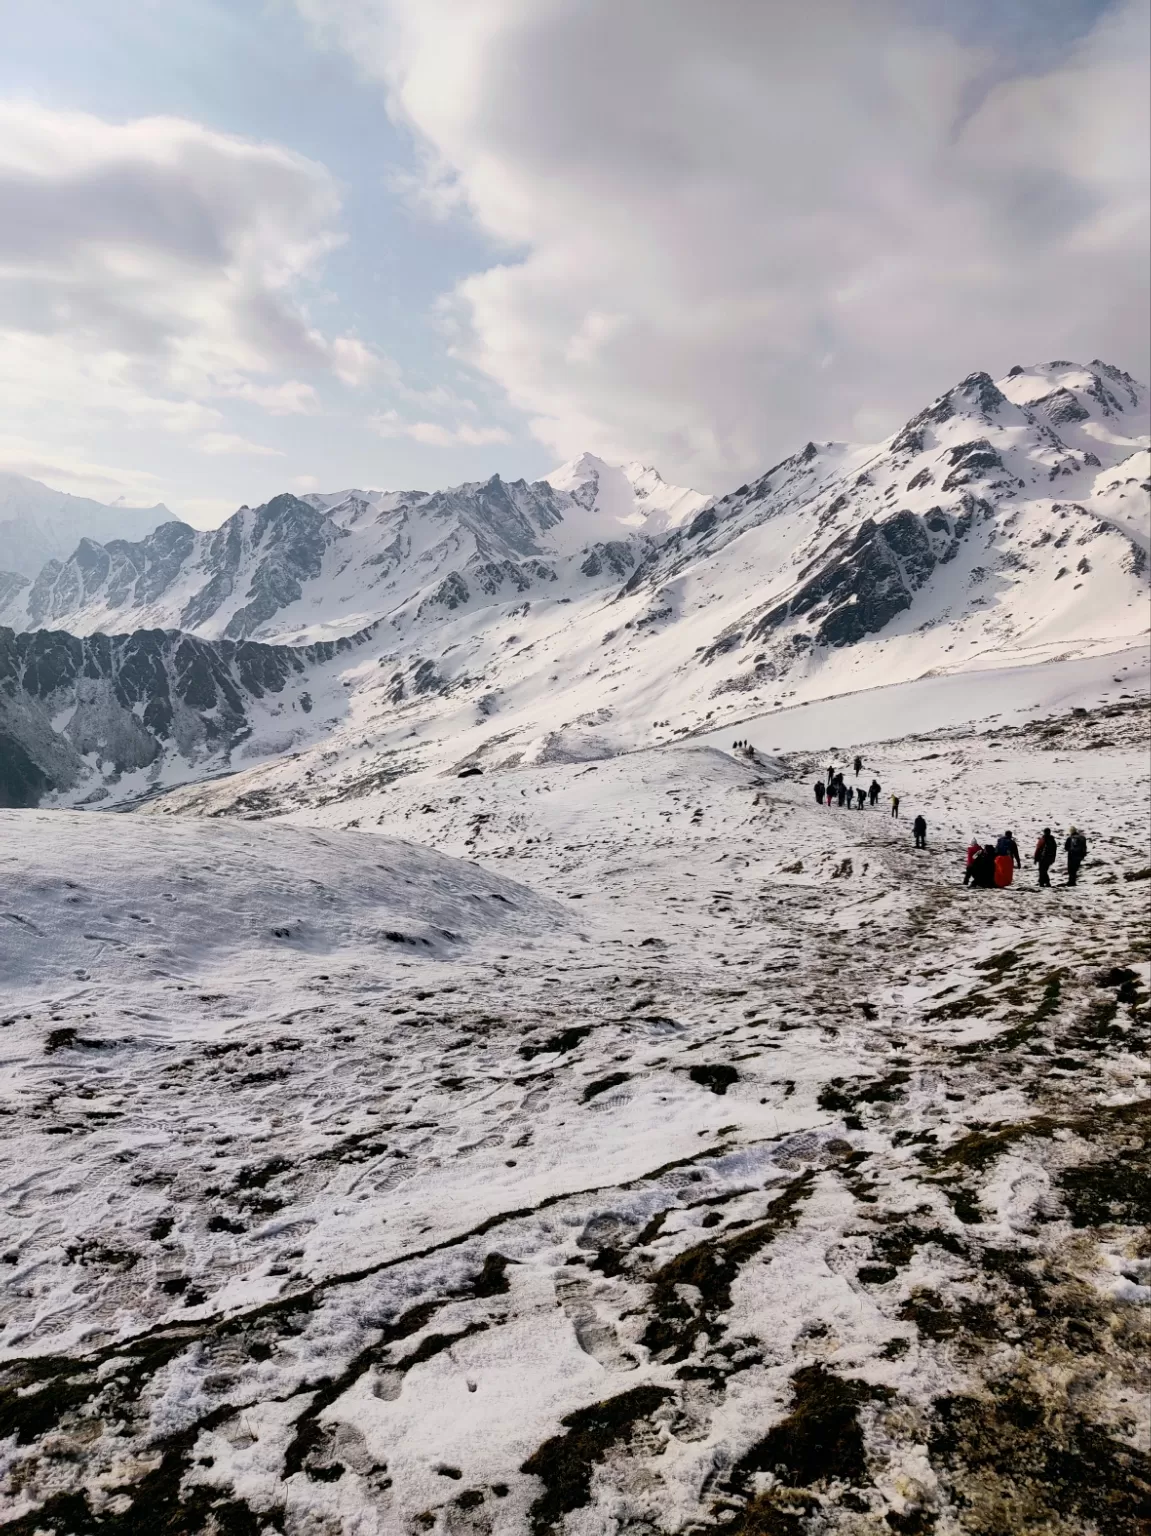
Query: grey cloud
[[745, 223]]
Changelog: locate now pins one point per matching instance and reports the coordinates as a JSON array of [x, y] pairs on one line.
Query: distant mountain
[[38, 524], [633, 495], [303, 568], [598, 610]]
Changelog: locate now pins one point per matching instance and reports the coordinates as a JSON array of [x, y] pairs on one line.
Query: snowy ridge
[[1006, 524], [306, 568]]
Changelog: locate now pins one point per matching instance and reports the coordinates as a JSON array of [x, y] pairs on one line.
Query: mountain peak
[[633, 494]]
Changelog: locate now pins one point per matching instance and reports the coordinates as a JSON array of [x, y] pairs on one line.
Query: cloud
[[68, 468], [433, 435], [162, 265], [734, 226], [219, 443]]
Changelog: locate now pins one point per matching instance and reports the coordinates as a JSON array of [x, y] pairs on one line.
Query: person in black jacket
[[841, 790], [1076, 850], [819, 791], [858, 766], [981, 870], [873, 792], [919, 827], [1008, 845], [1045, 851]]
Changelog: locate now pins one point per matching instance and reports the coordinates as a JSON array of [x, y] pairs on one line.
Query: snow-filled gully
[[719, 1163]]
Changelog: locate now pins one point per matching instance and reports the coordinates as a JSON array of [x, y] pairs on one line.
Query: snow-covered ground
[[604, 1144]]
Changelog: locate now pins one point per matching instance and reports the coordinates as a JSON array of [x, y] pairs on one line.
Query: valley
[[456, 1078]]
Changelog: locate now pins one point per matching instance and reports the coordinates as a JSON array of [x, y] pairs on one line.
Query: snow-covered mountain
[[307, 568], [88, 715], [633, 495], [1007, 523], [38, 524]]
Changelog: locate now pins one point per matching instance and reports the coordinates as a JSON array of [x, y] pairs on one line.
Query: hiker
[[919, 827], [841, 789], [1076, 850], [895, 806], [831, 773], [873, 792], [819, 791], [974, 849], [1045, 851], [860, 796], [1007, 846], [1006, 859], [858, 766], [981, 870]]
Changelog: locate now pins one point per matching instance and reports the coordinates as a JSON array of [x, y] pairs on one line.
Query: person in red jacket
[[974, 849]]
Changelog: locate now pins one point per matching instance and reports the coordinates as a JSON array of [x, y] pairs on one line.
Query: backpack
[[1077, 846]]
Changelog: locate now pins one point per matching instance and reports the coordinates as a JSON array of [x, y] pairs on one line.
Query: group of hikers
[[989, 865], [993, 864], [834, 790]]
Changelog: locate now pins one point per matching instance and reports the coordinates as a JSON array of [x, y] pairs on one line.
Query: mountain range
[[594, 611], [39, 524]]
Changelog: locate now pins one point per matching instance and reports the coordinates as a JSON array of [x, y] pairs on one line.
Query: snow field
[[743, 1100]]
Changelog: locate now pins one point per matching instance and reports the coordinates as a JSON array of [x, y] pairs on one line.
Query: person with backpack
[[820, 790], [858, 766], [860, 796], [919, 828], [895, 806], [873, 792], [1045, 853], [1076, 850]]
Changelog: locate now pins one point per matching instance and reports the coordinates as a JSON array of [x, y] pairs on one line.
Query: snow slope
[[771, 1189], [38, 524]]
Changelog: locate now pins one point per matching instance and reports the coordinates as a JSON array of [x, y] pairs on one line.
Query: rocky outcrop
[[97, 707]]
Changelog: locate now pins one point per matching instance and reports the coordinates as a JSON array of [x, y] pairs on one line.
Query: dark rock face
[[614, 556], [1060, 407], [865, 582], [129, 700], [971, 461], [290, 537], [501, 515], [124, 573]]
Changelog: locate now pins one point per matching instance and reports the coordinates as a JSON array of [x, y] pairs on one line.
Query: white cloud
[[67, 467], [219, 443], [434, 435], [153, 268], [735, 225]]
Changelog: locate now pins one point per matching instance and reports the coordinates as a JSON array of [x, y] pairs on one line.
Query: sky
[[249, 246]]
